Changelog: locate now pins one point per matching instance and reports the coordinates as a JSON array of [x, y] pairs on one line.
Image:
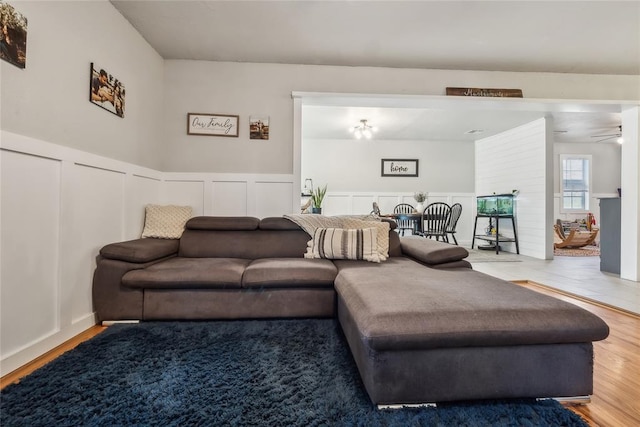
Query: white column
[[630, 221]]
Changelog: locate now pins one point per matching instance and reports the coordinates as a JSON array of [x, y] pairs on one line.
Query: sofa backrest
[[250, 238]]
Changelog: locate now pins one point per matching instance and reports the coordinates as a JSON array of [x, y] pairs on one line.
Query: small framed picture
[[13, 36], [259, 127], [400, 167], [212, 124], [106, 91]]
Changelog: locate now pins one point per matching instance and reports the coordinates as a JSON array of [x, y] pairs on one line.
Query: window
[[575, 182]]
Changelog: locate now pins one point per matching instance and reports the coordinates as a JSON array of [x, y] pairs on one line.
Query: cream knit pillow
[[165, 222]]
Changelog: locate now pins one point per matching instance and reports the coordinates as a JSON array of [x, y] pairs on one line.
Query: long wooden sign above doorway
[[472, 91]]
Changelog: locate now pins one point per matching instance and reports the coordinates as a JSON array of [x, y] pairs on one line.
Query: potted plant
[[316, 199], [420, 197]]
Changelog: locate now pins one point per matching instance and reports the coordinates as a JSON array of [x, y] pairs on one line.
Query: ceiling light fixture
[[363, 129]]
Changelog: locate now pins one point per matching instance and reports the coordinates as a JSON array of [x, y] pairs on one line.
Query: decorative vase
[[316, 210], [419, 207]]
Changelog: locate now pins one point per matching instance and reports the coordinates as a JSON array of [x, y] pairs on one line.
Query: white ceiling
[[599, 37]]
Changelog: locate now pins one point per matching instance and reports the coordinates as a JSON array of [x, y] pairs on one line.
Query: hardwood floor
[[616, 373], [616, 398], [15, 376]]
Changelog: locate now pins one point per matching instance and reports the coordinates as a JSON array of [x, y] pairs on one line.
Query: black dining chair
[[456, 210], [404, 224], [435, 219]]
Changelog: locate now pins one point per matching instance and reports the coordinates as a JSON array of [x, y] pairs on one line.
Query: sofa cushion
[[431, 251], [289, 272], [247, 244], [278, 223], [165, 222], [223, 223], [382, 236], [339, 243], [401, 305], [189, 273], [140, 250]]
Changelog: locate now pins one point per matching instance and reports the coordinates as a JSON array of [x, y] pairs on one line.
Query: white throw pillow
[[165, 222]]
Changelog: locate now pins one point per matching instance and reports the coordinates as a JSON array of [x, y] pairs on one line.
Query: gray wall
[[354, 165], [265, 89], [605, 170], [49, 99]]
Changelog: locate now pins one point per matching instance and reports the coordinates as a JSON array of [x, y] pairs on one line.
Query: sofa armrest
[[111, 299], [141, 250], [431, 252]]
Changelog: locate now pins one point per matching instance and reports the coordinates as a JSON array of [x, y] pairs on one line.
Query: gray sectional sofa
[[422, 326]]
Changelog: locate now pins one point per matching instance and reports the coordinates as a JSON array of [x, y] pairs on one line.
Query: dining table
[[415, 218]]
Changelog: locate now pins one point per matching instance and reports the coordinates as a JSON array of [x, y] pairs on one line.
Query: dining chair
[[456, 210], [435, 219], [403, 224]]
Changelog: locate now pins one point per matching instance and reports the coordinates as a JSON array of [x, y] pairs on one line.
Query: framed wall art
[[212, 124], [400, 167], [13, 36], [106, 91], [259, 127]]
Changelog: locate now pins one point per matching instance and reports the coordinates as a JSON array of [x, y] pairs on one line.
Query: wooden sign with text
[[472, 91]]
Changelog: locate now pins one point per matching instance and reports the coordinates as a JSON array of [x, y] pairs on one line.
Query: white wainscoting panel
[[59, 207], [185, 193], [141, 190], [94, 217], [30, 238], [273, 198], [229, 198]]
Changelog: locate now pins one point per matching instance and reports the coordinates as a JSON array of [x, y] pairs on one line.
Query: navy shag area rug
[[231, 373]]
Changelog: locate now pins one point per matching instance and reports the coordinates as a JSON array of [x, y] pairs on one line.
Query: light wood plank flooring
[[616, 377], [616, 398]]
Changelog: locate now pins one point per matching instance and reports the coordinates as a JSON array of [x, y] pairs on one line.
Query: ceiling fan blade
[[609, 135], [608, 138]]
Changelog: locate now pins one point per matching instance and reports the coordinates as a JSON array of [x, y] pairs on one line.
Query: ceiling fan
[[611, 136]]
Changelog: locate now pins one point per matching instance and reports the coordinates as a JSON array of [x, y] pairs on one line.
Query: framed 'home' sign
[[399, 167], [212, 124]]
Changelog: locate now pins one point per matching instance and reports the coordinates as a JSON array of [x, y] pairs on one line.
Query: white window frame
[[587, 200]]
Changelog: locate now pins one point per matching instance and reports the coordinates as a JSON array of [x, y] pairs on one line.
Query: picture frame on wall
[[13, 36], [106, 91], [399, 167], [212, 124], [259, 127]]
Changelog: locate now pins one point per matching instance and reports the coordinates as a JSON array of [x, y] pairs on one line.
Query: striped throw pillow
[[339, 243]]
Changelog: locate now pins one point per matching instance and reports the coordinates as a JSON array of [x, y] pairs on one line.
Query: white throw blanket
[[311, 222]]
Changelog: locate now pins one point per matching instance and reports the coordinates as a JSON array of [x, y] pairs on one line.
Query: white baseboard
[[34, 350]]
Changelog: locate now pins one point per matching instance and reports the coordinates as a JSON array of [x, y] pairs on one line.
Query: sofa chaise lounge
[[422, 325]]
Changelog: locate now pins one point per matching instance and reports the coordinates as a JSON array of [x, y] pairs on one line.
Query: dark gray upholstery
[[189, 273], [289, 272], [422, 325], [140, 250], [237, 223], [243, 244], [466, 373], [431, 251], [200, 304], [457, 308], [465, 335]]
